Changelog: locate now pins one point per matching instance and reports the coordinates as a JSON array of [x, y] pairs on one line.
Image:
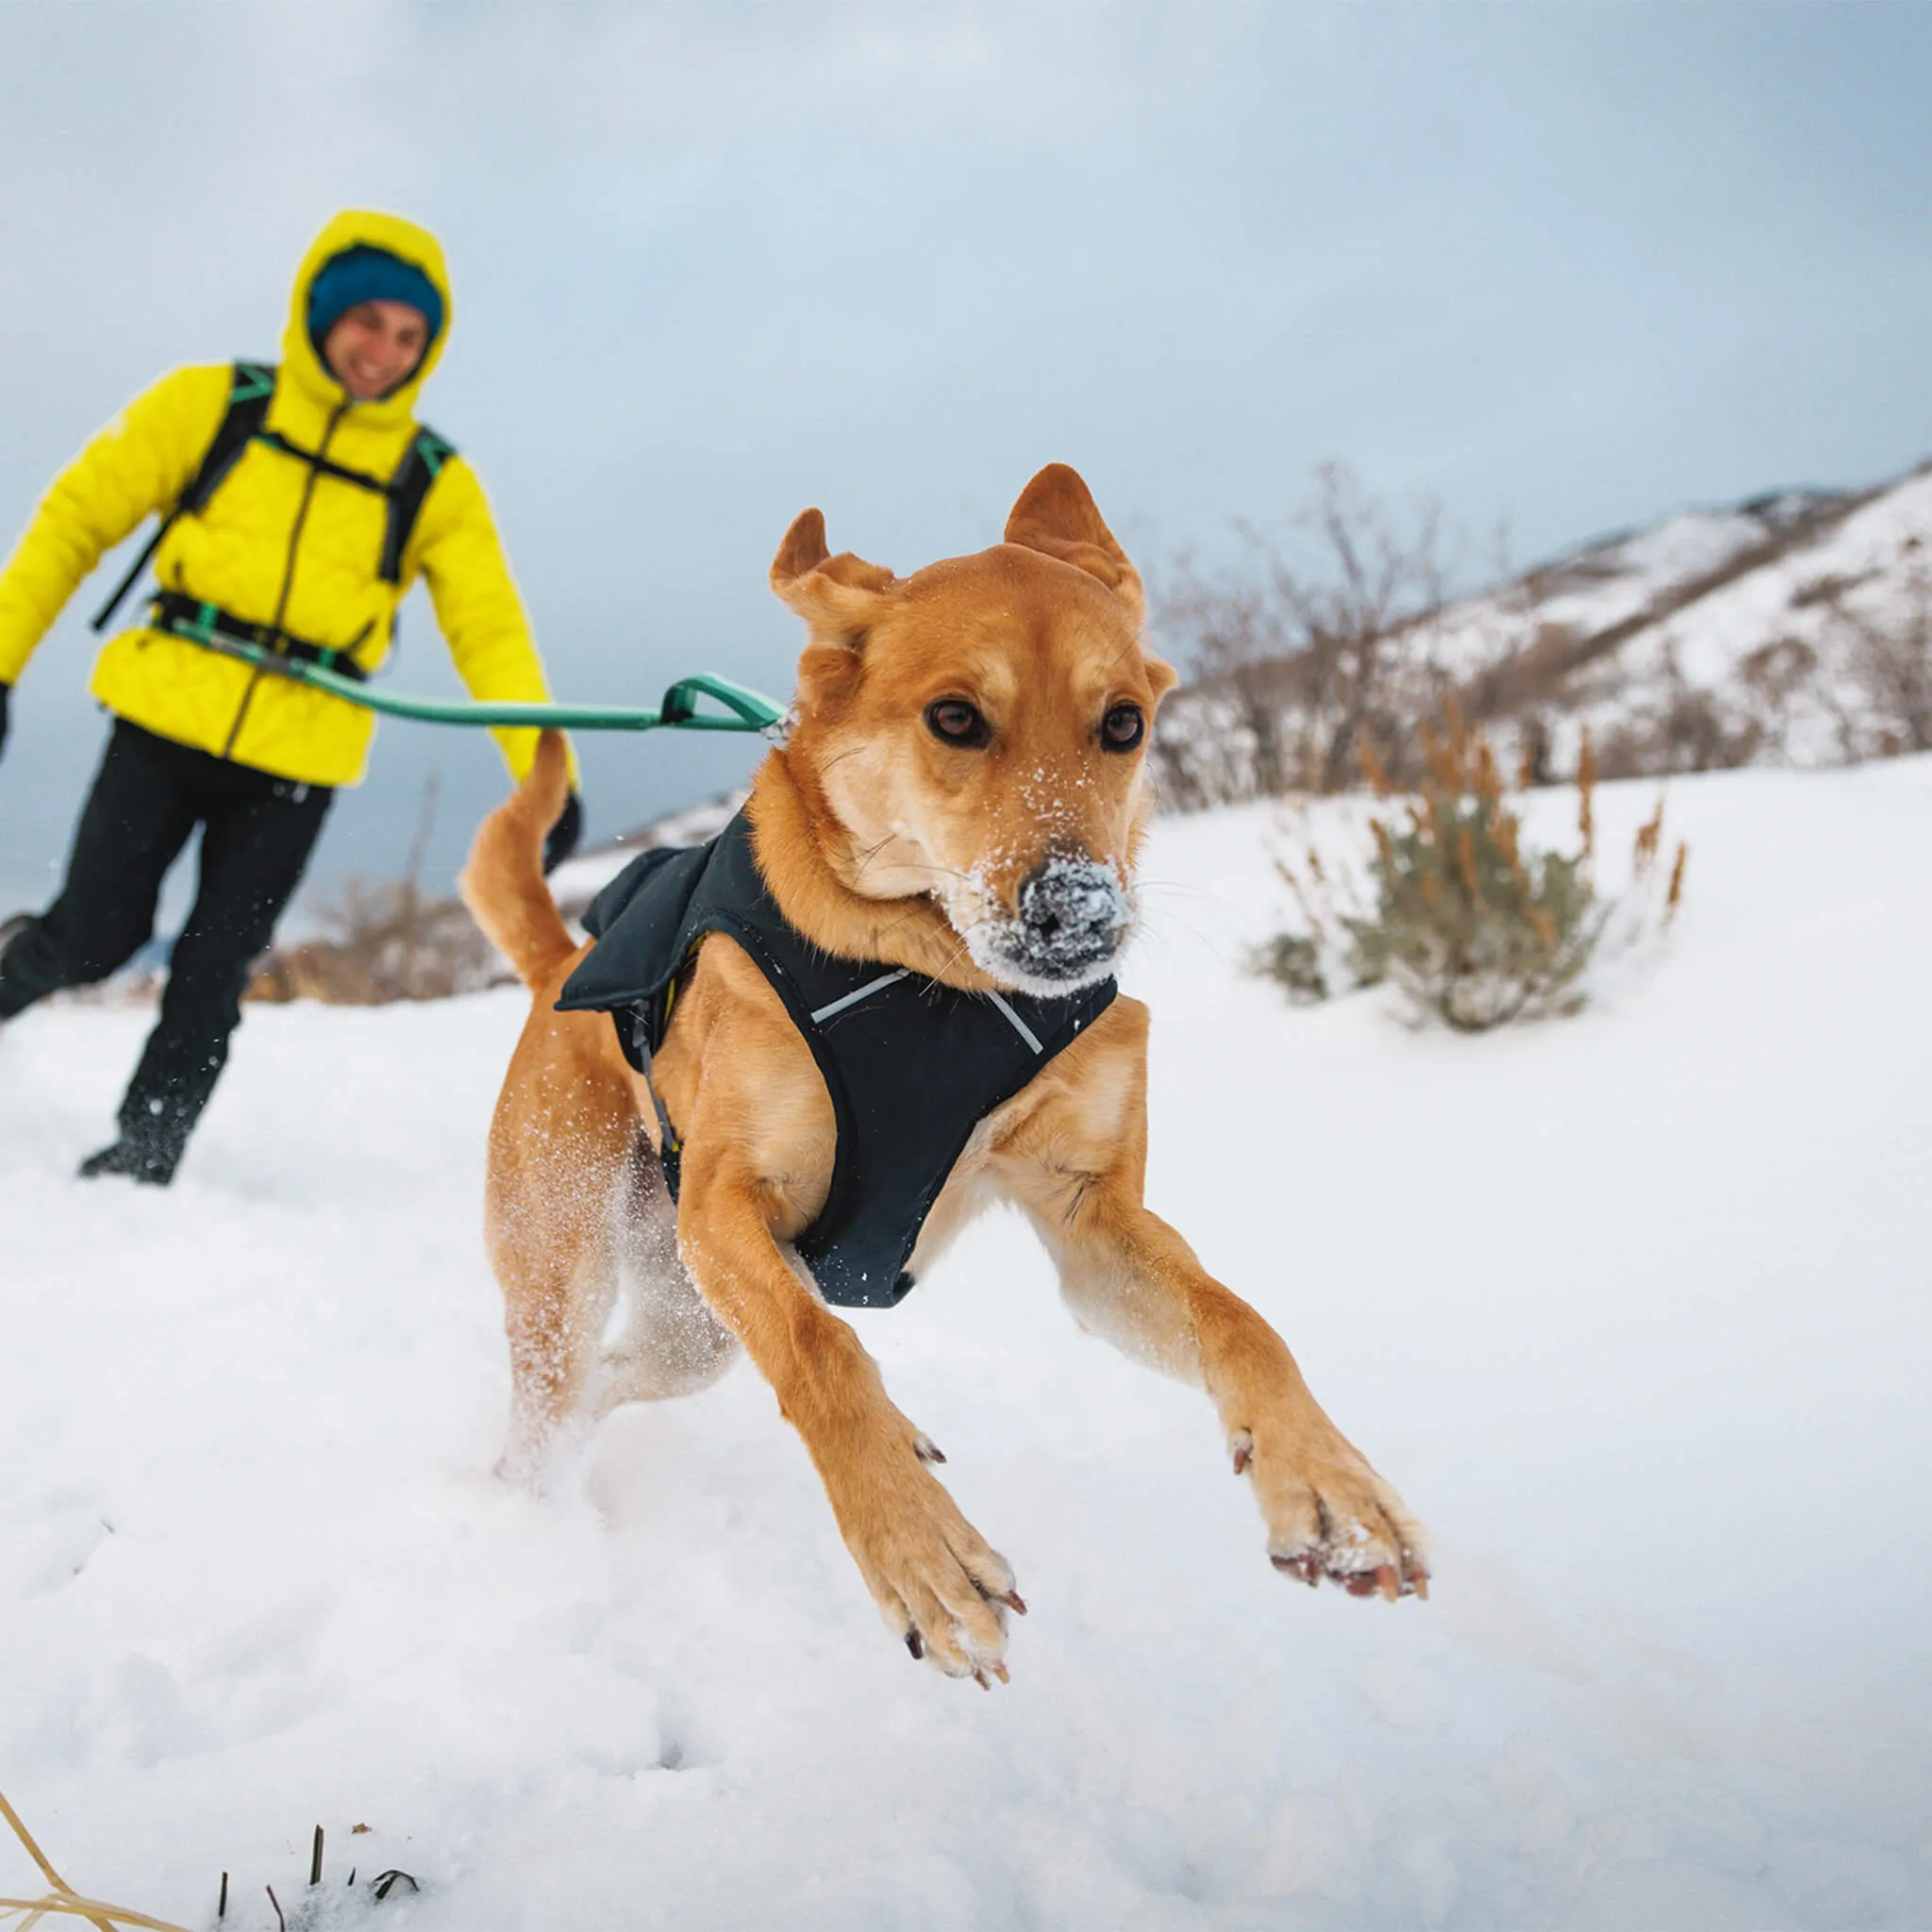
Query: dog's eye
[[1123, 728], [953, 720]]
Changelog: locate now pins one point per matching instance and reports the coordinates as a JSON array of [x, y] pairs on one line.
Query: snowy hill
[[1794, 629], [1631, 1307], [1755, 624]]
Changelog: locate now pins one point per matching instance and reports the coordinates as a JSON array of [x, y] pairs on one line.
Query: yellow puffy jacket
[[277, 538]]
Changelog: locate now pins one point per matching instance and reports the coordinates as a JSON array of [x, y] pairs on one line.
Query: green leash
[[744, 710]]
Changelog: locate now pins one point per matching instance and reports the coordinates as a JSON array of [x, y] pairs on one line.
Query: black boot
[[155, 1117], [151, 1158]]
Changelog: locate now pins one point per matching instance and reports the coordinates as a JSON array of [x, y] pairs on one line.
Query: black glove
[[564, 834], [4, 690]]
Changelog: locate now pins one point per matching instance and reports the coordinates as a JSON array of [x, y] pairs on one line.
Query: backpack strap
[[251, 387], [421, 464], [322, 465]]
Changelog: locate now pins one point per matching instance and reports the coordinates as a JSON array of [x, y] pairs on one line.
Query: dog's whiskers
[[944, 871], [858, 870]]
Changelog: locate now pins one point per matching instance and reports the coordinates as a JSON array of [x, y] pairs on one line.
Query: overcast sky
[[1567, 266]]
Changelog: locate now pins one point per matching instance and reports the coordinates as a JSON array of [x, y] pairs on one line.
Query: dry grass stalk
[[1374, 768], [1308, 898], [1586, 795], [1488, 778], [1649, 838], [1527, 764], [1676, 891], [1508, 839], [63, 1901]]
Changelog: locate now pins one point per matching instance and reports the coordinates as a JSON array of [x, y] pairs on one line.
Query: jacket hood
[[368, 227]]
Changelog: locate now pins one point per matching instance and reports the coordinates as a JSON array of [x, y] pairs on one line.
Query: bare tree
[[1239, 642], [1318, 644]]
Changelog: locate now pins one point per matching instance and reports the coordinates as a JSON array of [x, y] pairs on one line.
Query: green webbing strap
[[746, 710], [253, 381]]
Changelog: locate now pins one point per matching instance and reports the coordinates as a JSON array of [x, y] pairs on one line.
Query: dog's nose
[[1071, 914]]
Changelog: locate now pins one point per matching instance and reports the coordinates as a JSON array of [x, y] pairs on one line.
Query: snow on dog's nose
[[1074, 914]]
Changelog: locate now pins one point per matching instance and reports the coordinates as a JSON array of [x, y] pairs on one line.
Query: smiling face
[[374, 347], [979, 731]]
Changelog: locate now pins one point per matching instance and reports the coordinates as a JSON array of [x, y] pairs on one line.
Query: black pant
[[257, 833]]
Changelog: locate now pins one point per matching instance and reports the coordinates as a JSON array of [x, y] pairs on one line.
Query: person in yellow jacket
[[302, 502]]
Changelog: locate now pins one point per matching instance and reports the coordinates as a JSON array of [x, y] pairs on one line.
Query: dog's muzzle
[[1072, 915]]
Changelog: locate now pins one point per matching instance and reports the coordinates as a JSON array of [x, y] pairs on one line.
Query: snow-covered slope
[[1791, 630], [1630, 1306], [1754, 616]]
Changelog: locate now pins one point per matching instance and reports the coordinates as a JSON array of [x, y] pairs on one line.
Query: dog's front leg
[[1132, 1279], [939, 1585], [1073, 1155]]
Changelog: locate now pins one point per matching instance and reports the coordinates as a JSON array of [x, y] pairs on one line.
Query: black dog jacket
[[912, 1066]]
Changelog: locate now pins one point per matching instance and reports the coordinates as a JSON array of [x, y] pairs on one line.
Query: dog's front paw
[[1329, 1515], [942, 1590]]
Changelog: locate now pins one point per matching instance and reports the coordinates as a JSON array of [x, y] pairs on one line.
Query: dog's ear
[[839, 597], [1057, 515]]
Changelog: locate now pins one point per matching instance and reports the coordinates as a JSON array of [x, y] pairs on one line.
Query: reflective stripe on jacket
[[277, 542]]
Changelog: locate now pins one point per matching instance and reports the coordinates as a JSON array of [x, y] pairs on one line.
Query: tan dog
[[960, 737]]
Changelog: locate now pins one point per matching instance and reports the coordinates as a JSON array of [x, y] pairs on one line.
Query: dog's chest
[[912, 1067]]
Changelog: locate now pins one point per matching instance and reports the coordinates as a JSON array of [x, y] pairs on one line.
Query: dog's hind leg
[[671, 1344], [554, 1315], [559, 1154]]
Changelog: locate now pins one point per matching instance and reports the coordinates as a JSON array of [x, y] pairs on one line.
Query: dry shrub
[[1473, 927], [382, 943]]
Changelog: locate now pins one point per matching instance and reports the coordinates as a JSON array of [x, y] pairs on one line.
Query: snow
[[1631, 571], [1865, 550], [1630, 1306], [1621, 578]]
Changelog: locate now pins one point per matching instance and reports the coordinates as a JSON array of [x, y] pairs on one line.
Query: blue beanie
[[363, 273]]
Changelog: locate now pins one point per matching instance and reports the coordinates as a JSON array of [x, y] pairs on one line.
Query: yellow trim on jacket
[[279, 541]]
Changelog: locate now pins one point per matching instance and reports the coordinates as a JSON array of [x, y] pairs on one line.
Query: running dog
[[952, 824]]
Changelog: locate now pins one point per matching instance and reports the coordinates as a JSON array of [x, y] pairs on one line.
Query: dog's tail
[[503, 883]]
